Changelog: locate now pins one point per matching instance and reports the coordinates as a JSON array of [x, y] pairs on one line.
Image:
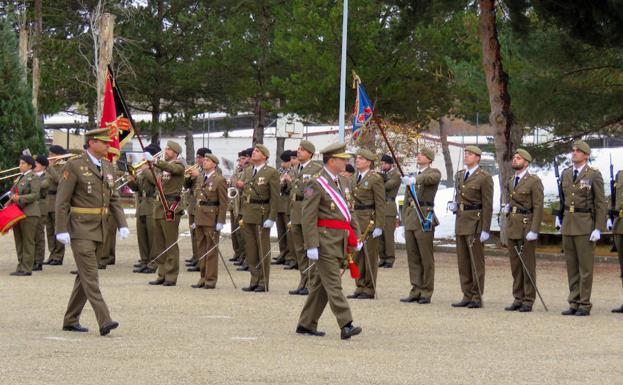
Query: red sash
[[340, 225]]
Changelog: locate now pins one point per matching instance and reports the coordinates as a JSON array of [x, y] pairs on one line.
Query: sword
[[217, 244], [271, 249], [519, 252], [259, 236], [471, 240], [365, 236], [165, 250], [222, 259]]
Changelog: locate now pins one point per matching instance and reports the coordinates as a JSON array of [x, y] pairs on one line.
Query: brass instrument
[[232, 193], [135, 169], [191, 168], [10, 176]]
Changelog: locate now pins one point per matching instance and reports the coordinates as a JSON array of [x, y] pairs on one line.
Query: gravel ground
[[181, 335]]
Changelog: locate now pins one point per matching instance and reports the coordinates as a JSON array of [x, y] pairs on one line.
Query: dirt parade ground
[[180, 335]]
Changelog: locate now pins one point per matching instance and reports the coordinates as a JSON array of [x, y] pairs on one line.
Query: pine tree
[[19, 128]]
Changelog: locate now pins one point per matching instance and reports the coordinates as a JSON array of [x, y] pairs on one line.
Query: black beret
[[285, 156], [58, 150], [28, 159], [153, 149], [203, 151], [248, 152], [350, 168], [43, 160], [387, 159]]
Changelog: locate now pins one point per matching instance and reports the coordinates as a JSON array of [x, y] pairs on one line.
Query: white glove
[[148, 156], [408, 180], [609, 224], [452, 206], [63, 238], [193, 226], [312, 254], [377, 232], [531, 236], [123, 233], [484, 236], [557, 224], [359, 246], [268, 224], [219, 227], [595, 235], [507, 208]]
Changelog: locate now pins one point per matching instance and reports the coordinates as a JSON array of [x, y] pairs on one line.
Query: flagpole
[[343, 71]]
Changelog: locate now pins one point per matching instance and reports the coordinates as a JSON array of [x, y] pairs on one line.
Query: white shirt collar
[[422, 169], [333, 177], [27, 172], [363, 173], [579, 169], [98, 162], [303, 165], [258, 168], [39, 173], [524, 172], [471, 171], [210, 174]]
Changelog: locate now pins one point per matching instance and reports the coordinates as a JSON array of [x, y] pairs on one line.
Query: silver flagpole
[[343, 71]]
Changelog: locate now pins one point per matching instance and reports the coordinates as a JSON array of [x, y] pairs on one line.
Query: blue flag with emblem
[[363, 108]]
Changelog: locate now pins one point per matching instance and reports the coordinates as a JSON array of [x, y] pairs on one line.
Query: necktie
[[359, 179], [575, 175], [337, 183], [419, 172], [300, 167], [516, 181], [254, 171], [466, 176], [99, 168]]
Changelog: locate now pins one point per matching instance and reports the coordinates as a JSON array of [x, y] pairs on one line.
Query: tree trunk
[[506, 137], [36, 75], [189, 141], [281, 143], [259, 121], [106, 28], [443, 136], [155, 121], [23, 50], [91, 114]]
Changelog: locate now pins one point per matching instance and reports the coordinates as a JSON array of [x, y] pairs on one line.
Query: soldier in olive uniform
[[418, 234], [86, 193], [368, 201], [391, 178], [302, 176], [190, 190], [524, 212], [259, 211], [616, 226], [210, 215], [109, 253], [473, 206], [145, 198], [329, 231], [283, 211], [41, 163], [25, 193], [583, 221], [237, 239], [53, 174], [170, 174]]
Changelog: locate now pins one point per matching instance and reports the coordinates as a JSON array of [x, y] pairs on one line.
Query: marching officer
[[25, 193], [210, 216], [583, 221], [53, 174], [419, 234], [171, 176], [237, 239], [329, 228], [391, 178], [41, 163], [473, 206], [260, 185], [524, 212], [617, 225], [368, 200], [306, 170], [190, 190], [145, 198], [86, 193], [283, 217]]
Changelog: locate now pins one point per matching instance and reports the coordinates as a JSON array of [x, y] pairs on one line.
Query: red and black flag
[[116, 117]]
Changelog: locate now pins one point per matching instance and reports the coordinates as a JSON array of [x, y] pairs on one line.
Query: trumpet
[[195, 166], [232, 193], [10, 175], [134, 169]]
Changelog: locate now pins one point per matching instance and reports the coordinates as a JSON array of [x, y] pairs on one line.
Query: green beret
[[307, 146], [582, 146], [212, 157], [474, 149], [263, 149], [174, 146], [427, 152], [369, 155], [335, 150], [99, 134], [524, 154]]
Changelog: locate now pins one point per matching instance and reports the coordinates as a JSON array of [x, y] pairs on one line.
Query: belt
[[260, 201], [145, 195], [208, 203], [464, 207], [51, 192], [520, 210], [298, 198], [573, 209], [364, 207], [90, 210], [616, 213], [423, 204], [169, 198], [340, 225]]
